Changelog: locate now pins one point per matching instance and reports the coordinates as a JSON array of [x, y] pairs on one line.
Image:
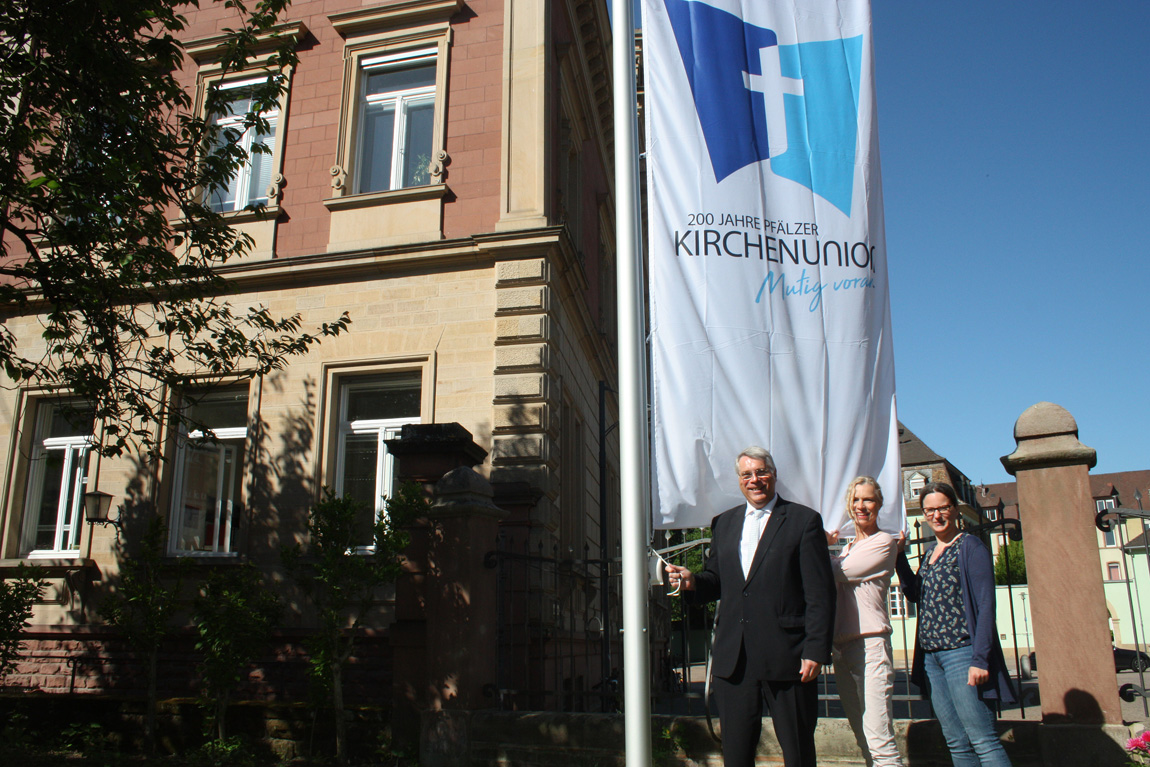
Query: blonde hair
[[851, 492]]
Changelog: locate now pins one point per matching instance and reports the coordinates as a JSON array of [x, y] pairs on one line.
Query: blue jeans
[[967, 722]]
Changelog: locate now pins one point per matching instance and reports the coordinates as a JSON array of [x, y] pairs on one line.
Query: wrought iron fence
[[560, 640], [556, 641], [1113, 520], [690, 644]]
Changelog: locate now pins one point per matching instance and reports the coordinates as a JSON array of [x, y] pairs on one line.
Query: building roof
[[1101, 486], [1006, 492], [913, 450], [1002, 496], [1137, 543], [1125, 483]]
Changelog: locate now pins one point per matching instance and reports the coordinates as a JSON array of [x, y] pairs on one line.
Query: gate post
[[1076, 677], [444, 643]]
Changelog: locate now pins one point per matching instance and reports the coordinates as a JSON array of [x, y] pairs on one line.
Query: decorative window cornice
[[393, 13], [207, 48]]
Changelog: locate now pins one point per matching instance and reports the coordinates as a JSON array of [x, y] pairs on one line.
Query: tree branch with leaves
[[107, 235], [342, 579]]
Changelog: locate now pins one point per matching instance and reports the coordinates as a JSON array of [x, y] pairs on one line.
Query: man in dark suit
[[770, 567]]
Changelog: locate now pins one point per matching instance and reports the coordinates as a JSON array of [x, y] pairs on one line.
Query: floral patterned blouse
[[941, 617]]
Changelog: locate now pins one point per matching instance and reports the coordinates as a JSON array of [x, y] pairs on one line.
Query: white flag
[[769, 303]]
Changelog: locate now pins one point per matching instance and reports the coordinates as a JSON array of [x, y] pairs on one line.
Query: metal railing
[[555, 643], [558, 649], [690, 645], [1105, 520]]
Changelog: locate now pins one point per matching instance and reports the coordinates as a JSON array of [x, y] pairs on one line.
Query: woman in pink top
[[863, 661]]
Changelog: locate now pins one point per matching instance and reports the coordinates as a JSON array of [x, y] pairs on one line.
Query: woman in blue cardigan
[[957, 657]]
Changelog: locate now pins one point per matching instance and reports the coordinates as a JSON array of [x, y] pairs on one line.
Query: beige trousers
[[864, 673]]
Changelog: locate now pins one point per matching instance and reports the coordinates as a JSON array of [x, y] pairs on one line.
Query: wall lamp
[[96, 506]]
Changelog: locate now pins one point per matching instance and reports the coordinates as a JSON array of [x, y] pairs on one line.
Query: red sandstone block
[[482, 109], [466, 66], [481, 140], [489, 168], [492, 155], [308, 135], [467, 96], [463, 129], [302, 119], [488, 48]]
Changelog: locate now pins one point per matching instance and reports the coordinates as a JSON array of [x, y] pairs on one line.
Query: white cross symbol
[[773, 85]]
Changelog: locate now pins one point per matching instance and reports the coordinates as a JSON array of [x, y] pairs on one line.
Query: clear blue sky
[[1016, 179]]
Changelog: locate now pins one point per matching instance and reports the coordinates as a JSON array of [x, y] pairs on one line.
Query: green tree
[[1013, 554], [142, 607], [18, 595], [341, 580], [106, 231], [234, 614]]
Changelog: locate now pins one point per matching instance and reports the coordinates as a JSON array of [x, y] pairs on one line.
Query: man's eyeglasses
[[747, 476], [929, 512]]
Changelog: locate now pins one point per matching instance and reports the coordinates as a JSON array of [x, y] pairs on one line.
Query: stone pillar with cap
[[1068, 607], [445, 636]]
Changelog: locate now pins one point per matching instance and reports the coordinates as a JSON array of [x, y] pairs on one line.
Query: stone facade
[[488, 289]]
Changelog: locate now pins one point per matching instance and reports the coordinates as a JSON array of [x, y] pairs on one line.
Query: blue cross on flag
[[796, 105]]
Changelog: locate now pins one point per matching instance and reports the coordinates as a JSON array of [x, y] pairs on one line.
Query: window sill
[[393, 196], [48, 565], [269, 213], [207, 558]]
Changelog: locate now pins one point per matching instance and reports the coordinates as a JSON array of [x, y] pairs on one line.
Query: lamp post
[[1025, 623], [1145, 543]]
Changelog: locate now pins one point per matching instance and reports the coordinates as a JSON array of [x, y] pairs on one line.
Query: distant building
[[922, 465], [1121, 550], [1117, 489]]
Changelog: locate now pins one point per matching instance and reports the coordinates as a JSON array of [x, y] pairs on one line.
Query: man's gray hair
[[759, 454]]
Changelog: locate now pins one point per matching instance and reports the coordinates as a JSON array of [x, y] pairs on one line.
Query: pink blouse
[[862, 575]]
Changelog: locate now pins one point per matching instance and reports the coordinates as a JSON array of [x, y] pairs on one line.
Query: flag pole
[[632, 393]]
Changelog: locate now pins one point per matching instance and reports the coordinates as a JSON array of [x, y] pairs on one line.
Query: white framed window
[[250, 184], [916, 484], [1113, 571], [57, 479], [992, 515], [371, 411], [396, 121], [900, 607], [207, 488], [1109, 538], [261, 179]]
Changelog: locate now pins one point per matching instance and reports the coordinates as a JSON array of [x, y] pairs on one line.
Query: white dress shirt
[[754, 523]]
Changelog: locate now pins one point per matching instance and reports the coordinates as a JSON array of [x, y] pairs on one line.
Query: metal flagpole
[[632, 412]]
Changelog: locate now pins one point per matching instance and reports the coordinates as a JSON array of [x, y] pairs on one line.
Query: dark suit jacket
[[785, 611]]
